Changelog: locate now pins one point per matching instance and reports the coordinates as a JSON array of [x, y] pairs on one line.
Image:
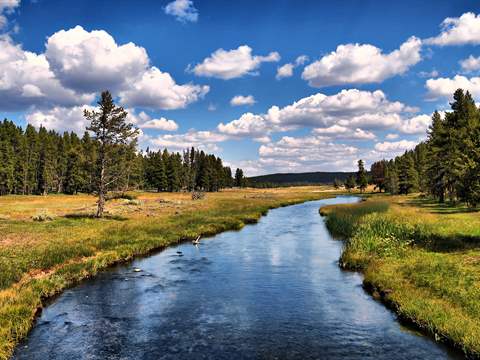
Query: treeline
[[446, 165], [40, 161]]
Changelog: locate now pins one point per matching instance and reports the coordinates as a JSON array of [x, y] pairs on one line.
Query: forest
[[446, 165], [43, 161]]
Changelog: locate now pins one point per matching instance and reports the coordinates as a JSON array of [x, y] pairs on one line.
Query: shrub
[[41, 217], [198, 195]]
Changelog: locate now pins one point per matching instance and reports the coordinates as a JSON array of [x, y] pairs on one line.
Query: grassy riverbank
[[40, 258], [421, 258]]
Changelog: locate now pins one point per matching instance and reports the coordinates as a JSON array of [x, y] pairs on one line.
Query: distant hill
[[300, 178]]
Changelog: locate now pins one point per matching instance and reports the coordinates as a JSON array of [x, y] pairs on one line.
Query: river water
[[270, 291]]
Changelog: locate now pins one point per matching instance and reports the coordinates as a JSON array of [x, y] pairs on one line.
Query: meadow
[[48, 243], [420, 258]]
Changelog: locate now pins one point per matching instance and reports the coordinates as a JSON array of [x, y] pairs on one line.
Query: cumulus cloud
[[470, 64], [342, 132], [26, 80], [286, 70], [230, 64], [310, 153], [205, 140], [416, 125], [7, 7], [77, 64], [445, 87], [362, 63], [458, 31], [89, 61], [391, 136], [158, 124], [240, 100], [351, 109], [397, 146], [182, 10], [60, 118], [158, 90]]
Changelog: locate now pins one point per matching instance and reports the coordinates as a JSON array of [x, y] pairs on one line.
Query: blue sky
[[270, 86]]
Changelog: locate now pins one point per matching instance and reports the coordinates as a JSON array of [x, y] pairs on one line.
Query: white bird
[[196, 241]]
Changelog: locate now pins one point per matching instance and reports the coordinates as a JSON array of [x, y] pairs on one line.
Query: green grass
[[40, 259], [421, 258]]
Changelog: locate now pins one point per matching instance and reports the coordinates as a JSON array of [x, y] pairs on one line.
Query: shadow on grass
[[79, 216], [448, 243], [439, 208]]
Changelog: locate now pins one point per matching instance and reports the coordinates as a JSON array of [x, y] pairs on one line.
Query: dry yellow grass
[[39, 259]]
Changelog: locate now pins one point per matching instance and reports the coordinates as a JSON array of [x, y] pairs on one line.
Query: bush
[[198, 195], [120, 195], [41, 217]]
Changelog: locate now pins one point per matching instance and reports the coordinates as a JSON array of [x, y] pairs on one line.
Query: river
[[270, 291]]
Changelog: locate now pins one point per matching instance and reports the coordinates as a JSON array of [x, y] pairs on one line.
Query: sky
[[269, 86]]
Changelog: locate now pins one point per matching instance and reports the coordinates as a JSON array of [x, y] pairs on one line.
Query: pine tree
[[408, 176], [378, 170], [362, 180], [111, 130], [239, 181], [350, 183], [72, 181]]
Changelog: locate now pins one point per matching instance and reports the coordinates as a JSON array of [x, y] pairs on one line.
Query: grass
[[421, 258], [39, 259]]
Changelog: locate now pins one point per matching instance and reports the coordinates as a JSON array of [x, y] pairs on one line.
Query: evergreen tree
[[350, 183], [239, 177], [111, 130], [73, 179], [378, 171], [362, 180], [408, 176]]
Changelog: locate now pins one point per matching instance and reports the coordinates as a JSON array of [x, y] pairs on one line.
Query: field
[[49, 243], [420, 258]]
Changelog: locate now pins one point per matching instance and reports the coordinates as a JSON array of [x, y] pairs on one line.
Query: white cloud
[[205, 140], [212, 107], [302, 59], [349, 109], [248, 125], [71, 119], [286, 70], [458, 31], [158, 124], [182, 10], [7, 7], [395, 146], [60, 118], [77, 64], [158, 90], [445, 87], [342, 132], [93, 61], [416, 125], [358, 64], [391, 136], [470, 64], [310, 153], [428, 74], [240, 100], [230, 64], [26, 79]]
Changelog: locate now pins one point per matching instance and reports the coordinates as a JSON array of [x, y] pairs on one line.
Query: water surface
[[272, 290]]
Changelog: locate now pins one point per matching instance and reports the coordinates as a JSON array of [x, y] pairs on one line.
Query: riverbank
[[50, 243], [420, 258]]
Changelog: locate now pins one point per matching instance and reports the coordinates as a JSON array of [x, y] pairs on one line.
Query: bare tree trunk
[[101, 188]]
